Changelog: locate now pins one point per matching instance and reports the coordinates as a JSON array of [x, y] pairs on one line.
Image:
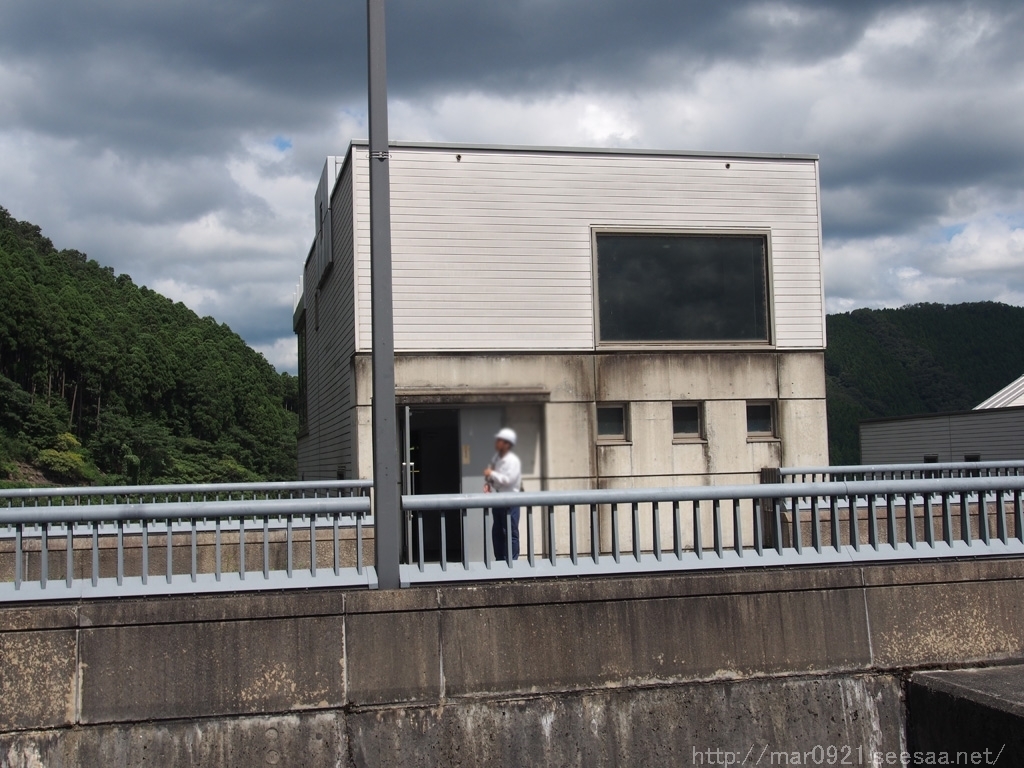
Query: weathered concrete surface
[[216, 608], [591, 644], [672, 726], [211, 668], [973, 711], [299, 741], [37, 679], [393, 657], [930, 624], [698, 724], [572, 384], [477, 667]]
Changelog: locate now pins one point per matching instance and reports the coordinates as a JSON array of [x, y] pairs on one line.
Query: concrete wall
[[569, 387], [641, 671]]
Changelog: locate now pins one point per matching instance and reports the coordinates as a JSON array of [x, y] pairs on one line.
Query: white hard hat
[[506, 434]]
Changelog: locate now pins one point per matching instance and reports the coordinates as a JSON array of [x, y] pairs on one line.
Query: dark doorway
[[434, 449]]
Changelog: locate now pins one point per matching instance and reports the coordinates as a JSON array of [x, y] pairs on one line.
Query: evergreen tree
[[101, 379]]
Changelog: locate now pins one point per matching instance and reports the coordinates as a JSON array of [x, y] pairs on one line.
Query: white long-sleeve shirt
[[506, 473]]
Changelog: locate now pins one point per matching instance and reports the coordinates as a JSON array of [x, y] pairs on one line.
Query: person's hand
[[487, 488], [487, 472]]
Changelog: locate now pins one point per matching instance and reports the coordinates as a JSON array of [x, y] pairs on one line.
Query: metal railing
[[171, 547], [901, 471], [153, 494], [85, 550], [607, 532]]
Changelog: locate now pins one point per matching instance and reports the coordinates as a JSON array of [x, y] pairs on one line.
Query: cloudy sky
[[181, 141]]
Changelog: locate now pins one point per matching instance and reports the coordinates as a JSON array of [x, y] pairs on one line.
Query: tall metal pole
[[386, 494]]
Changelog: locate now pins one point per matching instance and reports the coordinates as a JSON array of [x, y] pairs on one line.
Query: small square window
[[611, 422], [931, 458], [972, 457], [687, 421], [761, 419]]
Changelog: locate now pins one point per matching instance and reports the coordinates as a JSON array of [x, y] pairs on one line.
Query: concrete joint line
[[77, 716], [442, 691], [511, 697], [344, 649], [867, 620]]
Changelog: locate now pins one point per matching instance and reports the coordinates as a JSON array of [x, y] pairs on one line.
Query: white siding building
[[640, 318]]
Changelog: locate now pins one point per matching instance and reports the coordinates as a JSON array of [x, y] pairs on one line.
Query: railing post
[[770, 531], [387, 499]]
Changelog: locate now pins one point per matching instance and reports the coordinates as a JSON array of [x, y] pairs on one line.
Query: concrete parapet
[[480, 670]]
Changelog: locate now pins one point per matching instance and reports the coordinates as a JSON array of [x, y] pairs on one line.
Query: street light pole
[[386, 495]]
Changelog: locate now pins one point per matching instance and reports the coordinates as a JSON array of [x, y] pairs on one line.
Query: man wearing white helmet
[[504, 475]]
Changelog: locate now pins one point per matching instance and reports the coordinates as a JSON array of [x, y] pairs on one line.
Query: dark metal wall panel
[[994, 435]]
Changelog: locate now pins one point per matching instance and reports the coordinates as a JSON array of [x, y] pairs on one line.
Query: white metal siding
[[494, 252]]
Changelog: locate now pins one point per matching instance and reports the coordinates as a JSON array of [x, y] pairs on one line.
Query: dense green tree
[[98, 375]]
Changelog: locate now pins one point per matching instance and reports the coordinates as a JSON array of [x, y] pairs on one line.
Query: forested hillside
[[102, 380], [919, 359]]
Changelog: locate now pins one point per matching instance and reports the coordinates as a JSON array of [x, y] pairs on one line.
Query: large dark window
[[685, 288]]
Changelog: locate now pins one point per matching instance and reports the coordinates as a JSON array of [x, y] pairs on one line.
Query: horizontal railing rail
[[115, 550], [640, 530], [14, 497], [902, 471]]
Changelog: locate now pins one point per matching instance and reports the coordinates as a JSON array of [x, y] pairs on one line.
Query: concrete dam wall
[[779, 667]]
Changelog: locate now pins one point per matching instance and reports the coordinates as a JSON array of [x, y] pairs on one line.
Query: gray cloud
[[181, 142]]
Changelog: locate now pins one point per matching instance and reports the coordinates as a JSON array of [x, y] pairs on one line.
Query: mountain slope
[[101, 379], [924, 358]]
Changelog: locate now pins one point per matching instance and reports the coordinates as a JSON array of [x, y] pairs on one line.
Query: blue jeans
[[499, 529]]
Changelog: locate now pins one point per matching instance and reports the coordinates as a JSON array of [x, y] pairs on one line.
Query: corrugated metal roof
[[1009, 396]]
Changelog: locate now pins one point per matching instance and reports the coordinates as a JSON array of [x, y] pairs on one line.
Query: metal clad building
[[995, 434], [639, 317], [993, 431]]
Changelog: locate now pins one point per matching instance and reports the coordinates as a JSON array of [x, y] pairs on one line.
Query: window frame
[[764, 232], [680, 438], [762, 437], [625, 437]]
